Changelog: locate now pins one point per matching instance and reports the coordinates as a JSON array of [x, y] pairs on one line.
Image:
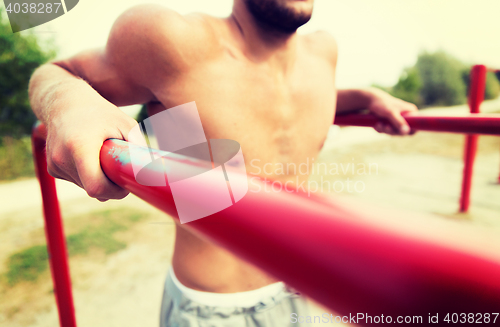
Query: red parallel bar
[[486, 124], [54, 232], [476, 97], [325, 250]]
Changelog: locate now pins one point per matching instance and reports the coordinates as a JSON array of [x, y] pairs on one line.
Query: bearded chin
[[272, 14]]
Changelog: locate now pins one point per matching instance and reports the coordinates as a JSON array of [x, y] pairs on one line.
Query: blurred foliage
[[441, 76], [492, 90], [20, 55], [15, 158], [408, 86], [438, 79], [492, 86]]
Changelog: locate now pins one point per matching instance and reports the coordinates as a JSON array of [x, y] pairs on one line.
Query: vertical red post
[[497, 73], [476, 96], [54, 233]]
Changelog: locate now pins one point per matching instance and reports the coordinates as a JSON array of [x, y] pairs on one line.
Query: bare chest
[[228, 93], [274, 118]]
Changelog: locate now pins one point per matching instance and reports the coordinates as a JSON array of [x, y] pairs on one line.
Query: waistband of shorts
[[239, 299]]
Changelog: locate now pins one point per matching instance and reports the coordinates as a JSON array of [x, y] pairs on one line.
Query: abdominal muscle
[[204, 266]]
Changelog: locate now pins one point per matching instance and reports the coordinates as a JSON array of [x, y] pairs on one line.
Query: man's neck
[[263, 43]]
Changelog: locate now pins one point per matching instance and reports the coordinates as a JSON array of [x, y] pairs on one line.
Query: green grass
[[99, 233], [27, 264], [100, 237], [15, 158]]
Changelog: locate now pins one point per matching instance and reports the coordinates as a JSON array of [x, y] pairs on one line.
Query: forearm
[[52, 89], [353, 99], [379, 103]]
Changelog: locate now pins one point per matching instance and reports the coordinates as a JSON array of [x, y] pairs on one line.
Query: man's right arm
[[77, 98], [79, 118]]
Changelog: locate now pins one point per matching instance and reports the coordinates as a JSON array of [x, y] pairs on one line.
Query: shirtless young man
[[254, 80]]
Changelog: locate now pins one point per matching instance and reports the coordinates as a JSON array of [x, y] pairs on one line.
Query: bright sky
[[377, 38]]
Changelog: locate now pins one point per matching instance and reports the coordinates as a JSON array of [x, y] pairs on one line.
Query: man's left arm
[[379, 103]]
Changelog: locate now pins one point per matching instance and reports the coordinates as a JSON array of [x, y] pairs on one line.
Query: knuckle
[[55, 159], [58, 159], [71, 144], [95, 190]]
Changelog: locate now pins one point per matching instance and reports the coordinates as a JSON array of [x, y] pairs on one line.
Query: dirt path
[[421, 173]]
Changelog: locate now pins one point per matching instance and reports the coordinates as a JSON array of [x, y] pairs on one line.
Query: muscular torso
[[277, 117]]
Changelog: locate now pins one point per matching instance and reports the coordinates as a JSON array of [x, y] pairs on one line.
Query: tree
[[492, 86], [439, 79], [20, 55], [441, 76], [492, 90]]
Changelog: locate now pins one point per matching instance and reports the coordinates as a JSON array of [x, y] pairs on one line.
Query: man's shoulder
[[159, 32], [323, 44]]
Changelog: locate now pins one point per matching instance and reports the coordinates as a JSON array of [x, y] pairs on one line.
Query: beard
[[277, 15]]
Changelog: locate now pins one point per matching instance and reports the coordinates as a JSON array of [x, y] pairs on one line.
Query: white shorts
[[269, 306]]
